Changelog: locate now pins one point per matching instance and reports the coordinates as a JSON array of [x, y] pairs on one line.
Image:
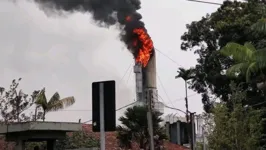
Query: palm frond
[[250, 46], [124, 135], [185, 74], [180, 72], [55, 106], [252, 68], [236, 69], [239, 52], [61, 104], [54, 98], [260, 57], [41, 98], [259, 26], [68, 101]]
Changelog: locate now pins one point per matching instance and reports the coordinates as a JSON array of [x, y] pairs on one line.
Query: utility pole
[[149, 118], [186, 100], [192, 136]]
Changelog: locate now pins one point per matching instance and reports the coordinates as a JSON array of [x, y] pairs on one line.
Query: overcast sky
[[68, 54]]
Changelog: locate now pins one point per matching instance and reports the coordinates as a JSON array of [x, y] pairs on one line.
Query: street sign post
[[103, 108]]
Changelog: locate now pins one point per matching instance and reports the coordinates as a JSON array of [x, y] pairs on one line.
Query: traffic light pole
[[102, 130]]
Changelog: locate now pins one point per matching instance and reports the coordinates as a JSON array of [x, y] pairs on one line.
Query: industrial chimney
[[146, 87]]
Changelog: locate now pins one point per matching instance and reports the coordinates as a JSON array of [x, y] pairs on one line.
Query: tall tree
[[54, 104], [249, 61], [230, 23], [134, 128], [238, 129], [14, 102], [185, 75]]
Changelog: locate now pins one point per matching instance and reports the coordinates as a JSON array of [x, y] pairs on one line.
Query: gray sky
[[68, 54]]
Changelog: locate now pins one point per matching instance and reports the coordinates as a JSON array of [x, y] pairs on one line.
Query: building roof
[[111, 141], [39, 126]]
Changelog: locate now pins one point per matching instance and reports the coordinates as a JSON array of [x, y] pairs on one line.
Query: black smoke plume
[[107, 12]]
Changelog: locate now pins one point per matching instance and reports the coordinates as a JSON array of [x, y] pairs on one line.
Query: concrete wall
[[40, 126]]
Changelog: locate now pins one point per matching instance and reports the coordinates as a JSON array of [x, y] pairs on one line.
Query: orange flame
[[146, 48]]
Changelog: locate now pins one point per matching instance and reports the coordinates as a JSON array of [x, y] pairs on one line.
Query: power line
[[168, 57], [164, 90], [198, 1], [130, 65], [163, 102], [129, 76], [168, 106], [115, 110], [182, 98], [175, 109]]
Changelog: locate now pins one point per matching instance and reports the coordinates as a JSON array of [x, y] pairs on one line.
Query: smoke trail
[[107, 12]]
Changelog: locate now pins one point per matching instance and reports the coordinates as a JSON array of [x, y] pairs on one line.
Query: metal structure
[[146, 85], [139, 83]]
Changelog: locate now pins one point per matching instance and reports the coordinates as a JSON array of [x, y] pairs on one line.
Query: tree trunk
[[43, 117], [35, 116], [186, 100], [18, 116]]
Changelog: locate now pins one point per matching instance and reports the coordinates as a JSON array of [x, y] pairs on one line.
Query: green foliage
[[14, 102], [54, 104], [240, 128], [199, 146], [79, 139], [232, 22], [31, 145], [249, 61], [185, 74], [134, 128]]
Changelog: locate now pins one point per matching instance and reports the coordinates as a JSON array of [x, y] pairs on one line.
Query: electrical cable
[[182, 98], [163, 102], [212, 3], [167, 57], [164, 90], [115, 110], [130, 65]]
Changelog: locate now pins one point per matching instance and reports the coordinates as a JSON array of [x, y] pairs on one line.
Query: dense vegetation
[[232, 49]]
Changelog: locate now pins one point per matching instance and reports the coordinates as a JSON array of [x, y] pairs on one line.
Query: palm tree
[[185, 75], [248, 61], [134, 128], [54, 104], [259, 26]]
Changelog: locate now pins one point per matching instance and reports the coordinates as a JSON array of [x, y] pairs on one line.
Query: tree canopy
[[232, 22], [14, 102], [238, 129]]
